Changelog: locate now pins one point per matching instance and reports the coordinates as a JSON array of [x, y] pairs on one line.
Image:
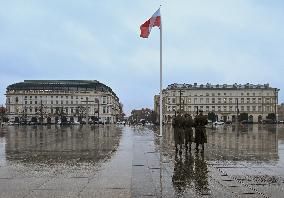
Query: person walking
[[188, 132], [178, 131], [200, 131]]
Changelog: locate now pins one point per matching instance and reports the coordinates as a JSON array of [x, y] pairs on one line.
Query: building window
[[104, 100], [248, 108], [242, 108], [173, 100], [35, 102], [219, 108], [253, 100], [242, 94], [26, 102], [213, 100], [31, 102], [259, 108], [230, 100], [259, 100], [207, 100], [207, 108], [61, 101], [242, 100], [66, 101], [201, 100], [195, 100], [253, 108], [248, 100], [225, 100], [253, 94], [213, 108], [213, 94], [230, 108], [247, 94], [56, 101], [219, 100]]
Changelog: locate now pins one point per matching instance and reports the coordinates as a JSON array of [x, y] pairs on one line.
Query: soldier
[[178, 131], [188, 132], [200, 131]]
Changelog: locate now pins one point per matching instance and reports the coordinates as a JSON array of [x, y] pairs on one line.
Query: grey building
[[48, 101], [226, 101]]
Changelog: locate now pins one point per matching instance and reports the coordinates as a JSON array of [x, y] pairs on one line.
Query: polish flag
[[146, 27]]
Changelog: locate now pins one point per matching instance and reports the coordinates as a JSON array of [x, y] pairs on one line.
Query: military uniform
[[200, 131], [188, 132], [178, 130]]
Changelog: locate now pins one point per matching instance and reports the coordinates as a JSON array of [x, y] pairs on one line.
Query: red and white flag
[[146, 27]]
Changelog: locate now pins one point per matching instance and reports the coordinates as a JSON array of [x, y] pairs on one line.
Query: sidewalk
[[134, 162]]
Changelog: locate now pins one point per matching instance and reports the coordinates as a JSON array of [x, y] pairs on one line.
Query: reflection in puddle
[[55, 144], [237, 149], [190, 171]]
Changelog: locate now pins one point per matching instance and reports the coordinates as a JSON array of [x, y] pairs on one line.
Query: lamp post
[[237, 110], [87, 109], [98, 101]]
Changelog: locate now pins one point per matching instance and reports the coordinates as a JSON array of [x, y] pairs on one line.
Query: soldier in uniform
[[188, 132], [200, 131], [178, 131]]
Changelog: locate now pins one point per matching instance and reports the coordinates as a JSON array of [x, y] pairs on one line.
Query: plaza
[[131, 161]]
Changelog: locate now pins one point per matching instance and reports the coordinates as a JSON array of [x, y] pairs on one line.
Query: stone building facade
[[49, 101], [226, 101]]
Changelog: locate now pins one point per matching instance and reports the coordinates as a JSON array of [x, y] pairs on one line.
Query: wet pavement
[[118, 161]]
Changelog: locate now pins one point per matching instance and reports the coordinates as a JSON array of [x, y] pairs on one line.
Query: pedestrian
[[178, 131], [200, 131], [188, 132]]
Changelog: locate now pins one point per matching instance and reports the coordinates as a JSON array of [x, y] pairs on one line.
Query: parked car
[[219, 123], [246, 122], [228, 122], [76, 123]]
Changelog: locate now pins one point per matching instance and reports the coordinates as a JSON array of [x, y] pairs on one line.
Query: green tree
[[211, 116], [271, 116], [243, 116]]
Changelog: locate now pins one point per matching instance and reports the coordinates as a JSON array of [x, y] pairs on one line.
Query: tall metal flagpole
[[161, 80]]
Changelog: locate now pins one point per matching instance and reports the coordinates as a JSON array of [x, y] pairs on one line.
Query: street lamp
[[98, 101]]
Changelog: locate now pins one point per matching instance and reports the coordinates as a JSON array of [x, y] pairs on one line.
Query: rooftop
[[55, 85], [218, 86]]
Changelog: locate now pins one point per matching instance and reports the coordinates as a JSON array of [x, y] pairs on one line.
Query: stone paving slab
[[133, 162]]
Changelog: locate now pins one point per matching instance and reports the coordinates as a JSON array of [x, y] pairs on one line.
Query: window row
[[222, 108]]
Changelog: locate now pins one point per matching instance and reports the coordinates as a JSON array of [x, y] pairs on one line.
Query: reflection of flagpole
[[161, 81]]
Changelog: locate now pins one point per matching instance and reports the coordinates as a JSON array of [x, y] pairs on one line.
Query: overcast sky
[[220, 41]]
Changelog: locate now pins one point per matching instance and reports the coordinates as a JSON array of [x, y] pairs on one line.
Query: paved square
[[118, 161]]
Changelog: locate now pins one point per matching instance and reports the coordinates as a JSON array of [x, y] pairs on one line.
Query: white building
[[224, 100], [51, 100]]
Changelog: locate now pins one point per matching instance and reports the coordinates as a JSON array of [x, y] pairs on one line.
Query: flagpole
[[161, 82]]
